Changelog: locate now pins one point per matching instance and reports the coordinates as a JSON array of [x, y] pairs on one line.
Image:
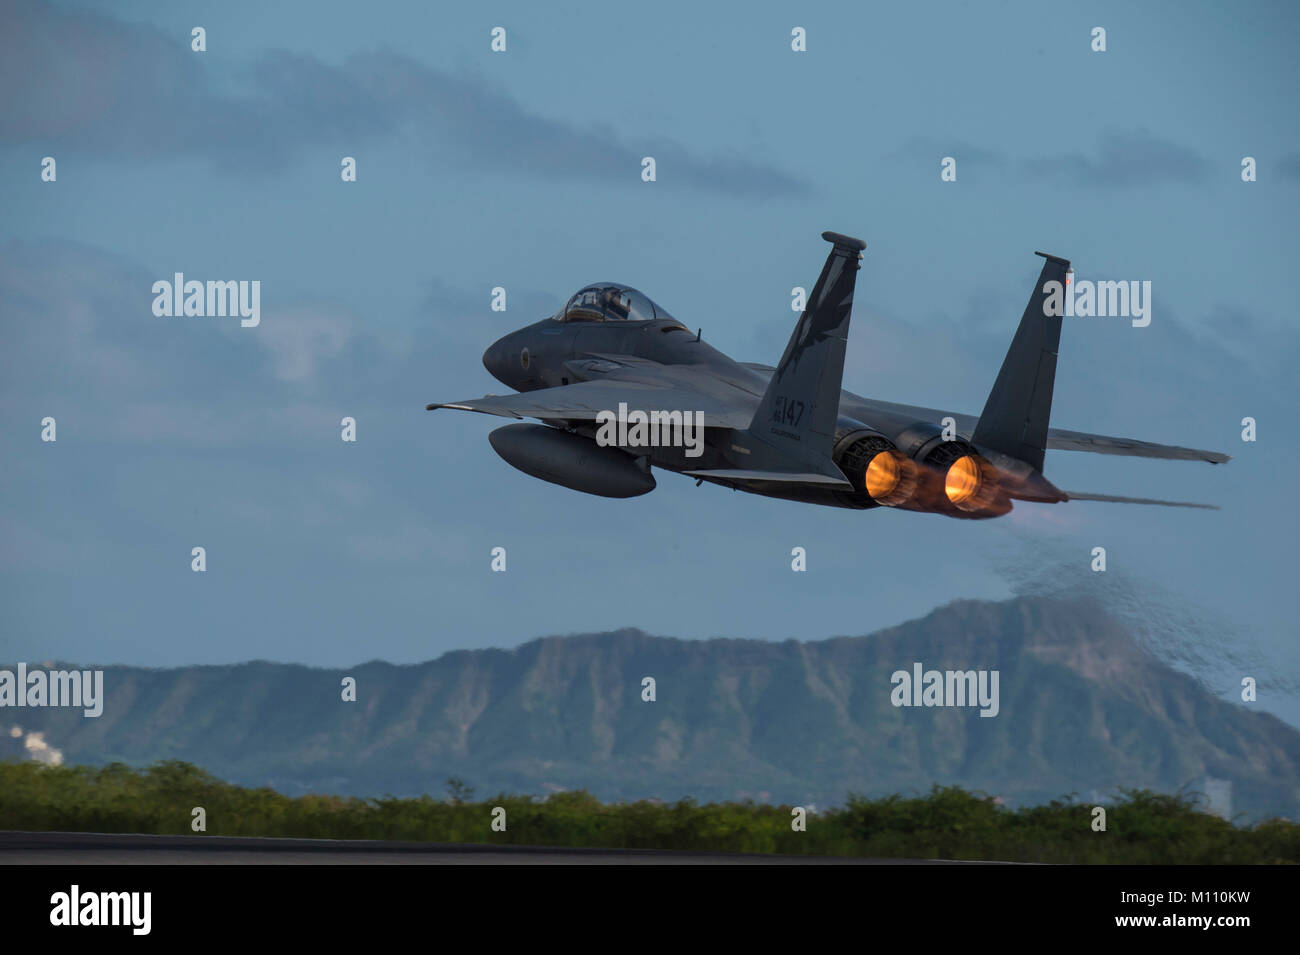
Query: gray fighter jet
[[622, 387]]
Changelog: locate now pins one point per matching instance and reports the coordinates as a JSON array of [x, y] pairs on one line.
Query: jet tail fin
[[1015, 417], [797, 413]]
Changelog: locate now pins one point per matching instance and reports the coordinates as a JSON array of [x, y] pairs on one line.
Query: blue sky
[[522, 169]]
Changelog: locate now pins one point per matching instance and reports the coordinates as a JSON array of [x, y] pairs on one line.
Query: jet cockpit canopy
[[610, 302]]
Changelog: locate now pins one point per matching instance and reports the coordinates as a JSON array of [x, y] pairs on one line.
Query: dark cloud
[[91, 83], [932, 150], [1123, 158], [80, 334]]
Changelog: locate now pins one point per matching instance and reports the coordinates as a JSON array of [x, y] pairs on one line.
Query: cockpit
[[608, 302]]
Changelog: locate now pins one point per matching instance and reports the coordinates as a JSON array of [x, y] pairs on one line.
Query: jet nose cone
[[496, 359]]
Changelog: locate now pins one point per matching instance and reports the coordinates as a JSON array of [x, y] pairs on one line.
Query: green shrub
[[947, 823]]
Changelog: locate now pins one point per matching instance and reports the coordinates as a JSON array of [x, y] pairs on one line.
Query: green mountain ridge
[[1082, 708]]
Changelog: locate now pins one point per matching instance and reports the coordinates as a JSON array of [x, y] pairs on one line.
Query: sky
[[521, 169]]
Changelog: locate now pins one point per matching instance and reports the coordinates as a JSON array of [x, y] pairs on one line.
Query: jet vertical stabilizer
[[797, 413], [1014, 420]]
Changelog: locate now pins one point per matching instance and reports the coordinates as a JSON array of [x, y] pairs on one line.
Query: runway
[[89, 848]]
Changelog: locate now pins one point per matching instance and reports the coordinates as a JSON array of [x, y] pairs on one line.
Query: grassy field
[[949, 823]]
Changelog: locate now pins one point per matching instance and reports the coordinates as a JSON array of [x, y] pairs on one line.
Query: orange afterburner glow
[[883, 474], [963, 480], [890, 478]]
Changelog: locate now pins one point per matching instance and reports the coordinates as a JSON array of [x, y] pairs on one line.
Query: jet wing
[[1104, 444], [771, 477], [1058, 439], [583, 400]]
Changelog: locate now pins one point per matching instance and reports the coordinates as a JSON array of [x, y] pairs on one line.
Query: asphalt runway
[[89, 848]]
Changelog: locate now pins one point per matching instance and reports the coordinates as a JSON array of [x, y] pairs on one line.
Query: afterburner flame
[[963, 479], [890, 478], [883, 475]]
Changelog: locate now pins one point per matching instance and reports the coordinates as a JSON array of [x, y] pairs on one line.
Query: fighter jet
[[621, 387]]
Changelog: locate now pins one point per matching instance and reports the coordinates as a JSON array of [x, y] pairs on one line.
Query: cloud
[[966, 153], [91, 83], [41, 751], [1121, 159], [302, 338], [1208, 643], [81, 340], [203, 425]]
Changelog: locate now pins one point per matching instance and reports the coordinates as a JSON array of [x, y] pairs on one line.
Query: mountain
[[1082, 708]]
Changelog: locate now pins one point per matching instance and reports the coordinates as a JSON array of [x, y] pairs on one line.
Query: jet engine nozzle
[[879, 472], [890, 478], [971, 483], [956, 480]]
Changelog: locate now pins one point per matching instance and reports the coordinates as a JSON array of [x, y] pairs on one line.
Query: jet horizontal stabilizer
[[1117, 499]]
